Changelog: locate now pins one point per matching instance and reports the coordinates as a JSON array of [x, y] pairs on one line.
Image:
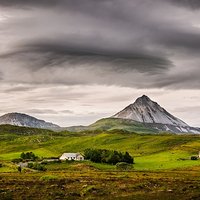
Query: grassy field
[[151, 152], [162, 169]]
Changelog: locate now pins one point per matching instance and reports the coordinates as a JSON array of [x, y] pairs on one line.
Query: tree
[[107, 156], [104, 155], [113, 158], [23, 155], [127, 158], [28, 156], [36, 166], [87, 153], [95, 156]]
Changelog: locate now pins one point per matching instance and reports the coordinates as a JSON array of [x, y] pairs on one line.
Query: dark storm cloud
[[188, 41], [73, 5], [53, 55], [91, 57], [30, 2], [43, 2], [190, 80], [94, 42], [192, 4]]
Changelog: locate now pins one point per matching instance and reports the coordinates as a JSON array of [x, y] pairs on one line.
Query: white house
[[71, 156]]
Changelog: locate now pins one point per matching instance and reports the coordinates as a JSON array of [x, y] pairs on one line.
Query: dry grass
[[88, 183]]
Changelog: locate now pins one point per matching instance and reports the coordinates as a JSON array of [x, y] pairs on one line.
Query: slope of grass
[[9, 129], [120, 124], [151, 151]]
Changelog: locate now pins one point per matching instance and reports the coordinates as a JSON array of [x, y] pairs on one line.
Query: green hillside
[[18, 130], [151, 151], [109, 124]]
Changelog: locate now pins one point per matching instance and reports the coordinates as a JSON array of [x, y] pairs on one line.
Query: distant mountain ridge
[[148, 112], [20, 119], [143, 116]]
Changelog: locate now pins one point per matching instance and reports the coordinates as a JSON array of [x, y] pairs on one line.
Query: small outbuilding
[[72, 156]]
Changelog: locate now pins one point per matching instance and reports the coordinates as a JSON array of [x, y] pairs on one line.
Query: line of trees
[[107, 156]]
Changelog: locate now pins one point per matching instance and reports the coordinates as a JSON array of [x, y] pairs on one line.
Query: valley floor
[[93, 184]]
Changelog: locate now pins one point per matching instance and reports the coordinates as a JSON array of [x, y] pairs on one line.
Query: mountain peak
[[143, 98], [147, 111]]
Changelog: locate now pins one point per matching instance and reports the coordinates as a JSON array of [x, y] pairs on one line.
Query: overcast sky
[[72, 62]]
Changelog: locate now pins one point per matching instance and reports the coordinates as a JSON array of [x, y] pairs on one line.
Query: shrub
[[37, 166], [88, 189], [1, 165], [56, 161], [69, 161], [40, 167], [44, 162], [124, 166], [30, 165], [49, 178]]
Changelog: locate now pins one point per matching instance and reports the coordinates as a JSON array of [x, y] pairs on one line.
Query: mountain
[[150, 113], [19, 119]]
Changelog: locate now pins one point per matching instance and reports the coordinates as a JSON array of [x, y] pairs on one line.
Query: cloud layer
[[138, 44], [108, 40]]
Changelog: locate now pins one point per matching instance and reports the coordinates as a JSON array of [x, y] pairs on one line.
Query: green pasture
[[151, 152]]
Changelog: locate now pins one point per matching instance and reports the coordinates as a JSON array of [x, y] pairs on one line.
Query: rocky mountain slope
[[148, 112], [19, 119]]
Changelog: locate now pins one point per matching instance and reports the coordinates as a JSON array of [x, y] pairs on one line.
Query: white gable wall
[[71, 156]]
